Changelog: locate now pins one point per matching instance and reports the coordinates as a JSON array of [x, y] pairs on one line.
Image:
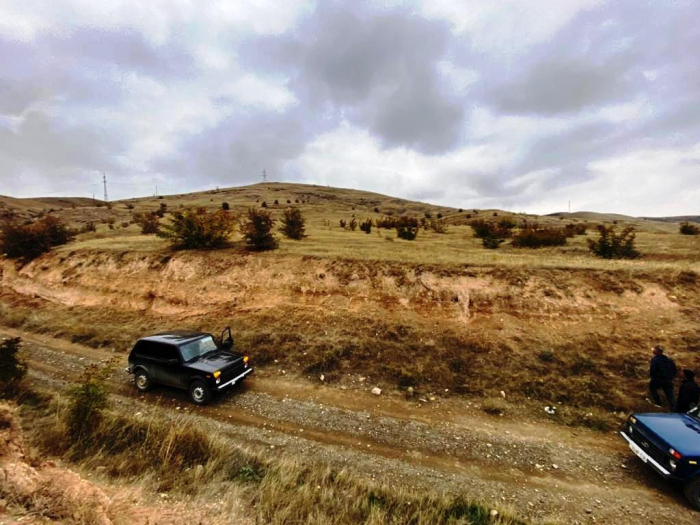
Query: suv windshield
[[695, 412], [198, 348]]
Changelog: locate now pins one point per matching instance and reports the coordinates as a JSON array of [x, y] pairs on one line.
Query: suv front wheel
[[199, 392], [142, 381], [692, 492]]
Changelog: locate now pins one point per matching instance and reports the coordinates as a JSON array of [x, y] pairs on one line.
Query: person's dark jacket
[[688, 393], [662, 369]]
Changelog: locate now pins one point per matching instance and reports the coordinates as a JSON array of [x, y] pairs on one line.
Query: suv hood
[[679, 431], [216, 361]]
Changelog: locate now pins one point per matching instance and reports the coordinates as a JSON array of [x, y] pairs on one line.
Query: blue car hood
[[679, 431]]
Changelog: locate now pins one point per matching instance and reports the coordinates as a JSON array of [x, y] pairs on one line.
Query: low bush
[[532, 236], [575, 229], [293, 224], [352, 225], [88, 228], [148, 222], [198, 229], [343, 223], [611, 245], [225, 206], [87, 401], [406, 228], [689, 229], [257, 230], [366, 226], [12, 368], [29, 241], [492, 234]]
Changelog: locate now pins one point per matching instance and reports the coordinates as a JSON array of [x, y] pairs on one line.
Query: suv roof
[[175, 337]]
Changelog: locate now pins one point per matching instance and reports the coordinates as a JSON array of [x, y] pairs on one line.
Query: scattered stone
[[494, 513], [323, 377], [377, 391], [503, 394]]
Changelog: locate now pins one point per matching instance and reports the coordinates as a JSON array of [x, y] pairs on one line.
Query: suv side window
[[166, 352], [146, 349]]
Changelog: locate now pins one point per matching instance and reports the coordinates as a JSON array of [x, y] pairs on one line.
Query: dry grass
[[174, 455]]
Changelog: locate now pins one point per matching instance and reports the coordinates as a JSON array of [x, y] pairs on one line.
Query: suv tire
[[199, 392], [692, 492], [142, 381]]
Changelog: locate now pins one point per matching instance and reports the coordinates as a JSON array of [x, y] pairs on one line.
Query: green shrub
[[199, 229], [293, 224], [225, 206], [532, 236], [87, 401], [366, 226], [406, 228], [492, 234], [29, 241], [12, 369], [611, 245], [257, 230], [689, 229], [148, 222], [575, 229]]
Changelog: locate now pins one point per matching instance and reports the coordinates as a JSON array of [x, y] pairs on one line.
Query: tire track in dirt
[[322, 426]]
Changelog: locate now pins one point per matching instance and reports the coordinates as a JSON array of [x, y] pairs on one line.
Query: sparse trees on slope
[[257, 230], [611, 245], [12, 369], [29, 241], [199, 229], [293, 224]]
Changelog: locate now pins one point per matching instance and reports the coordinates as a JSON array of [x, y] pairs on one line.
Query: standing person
[[662, 370], [688, 393]]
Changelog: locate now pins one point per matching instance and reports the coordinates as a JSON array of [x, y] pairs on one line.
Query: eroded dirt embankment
[[575, 336]]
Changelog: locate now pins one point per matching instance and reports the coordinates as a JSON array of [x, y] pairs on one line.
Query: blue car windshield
[[695, 412], [198, 348]]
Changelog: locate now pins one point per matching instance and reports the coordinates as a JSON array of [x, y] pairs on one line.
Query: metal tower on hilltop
[[104, 182], [264, 176]]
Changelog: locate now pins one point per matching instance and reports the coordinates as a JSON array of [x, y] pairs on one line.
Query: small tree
[[264, 204], [257, 230], [225, 206], [12, 369], [366, 226], [293, 224], [611, 245], [406, 228], [199, 229], [148, 222], [352, 224], [277, 202], [343, 223], [87, 401], [689, 229]]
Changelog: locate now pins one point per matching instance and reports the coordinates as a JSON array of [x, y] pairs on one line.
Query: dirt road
[[540, 470]]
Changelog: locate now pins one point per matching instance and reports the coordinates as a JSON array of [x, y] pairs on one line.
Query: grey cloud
[[377, 70]]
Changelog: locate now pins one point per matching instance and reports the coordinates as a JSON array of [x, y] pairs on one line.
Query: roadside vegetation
[[183, 457], [12, 368], [28, 241]]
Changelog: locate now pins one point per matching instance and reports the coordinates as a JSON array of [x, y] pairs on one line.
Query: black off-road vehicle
[[193, 361]]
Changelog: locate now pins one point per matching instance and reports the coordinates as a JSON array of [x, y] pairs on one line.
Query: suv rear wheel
[[142, 380], [692, 492], [199, 392]]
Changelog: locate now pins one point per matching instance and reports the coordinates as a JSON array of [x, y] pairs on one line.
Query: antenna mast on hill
[[264, 175], [104, 182]]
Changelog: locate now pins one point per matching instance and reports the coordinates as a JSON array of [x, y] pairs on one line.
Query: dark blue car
[[670, 444]]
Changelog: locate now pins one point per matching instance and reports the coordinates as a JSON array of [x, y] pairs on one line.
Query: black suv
[[193, 361]]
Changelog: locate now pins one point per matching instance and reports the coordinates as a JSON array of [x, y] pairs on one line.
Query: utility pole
[[569, 206], [104, 182], [264, 175]]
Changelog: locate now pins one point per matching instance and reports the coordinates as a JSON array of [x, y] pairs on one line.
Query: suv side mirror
[[226, 338]]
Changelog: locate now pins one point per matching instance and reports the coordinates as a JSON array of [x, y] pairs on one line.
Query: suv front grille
[[228, 375], [648, 446]]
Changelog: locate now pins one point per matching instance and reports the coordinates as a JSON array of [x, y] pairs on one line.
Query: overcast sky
[[515, 104]]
